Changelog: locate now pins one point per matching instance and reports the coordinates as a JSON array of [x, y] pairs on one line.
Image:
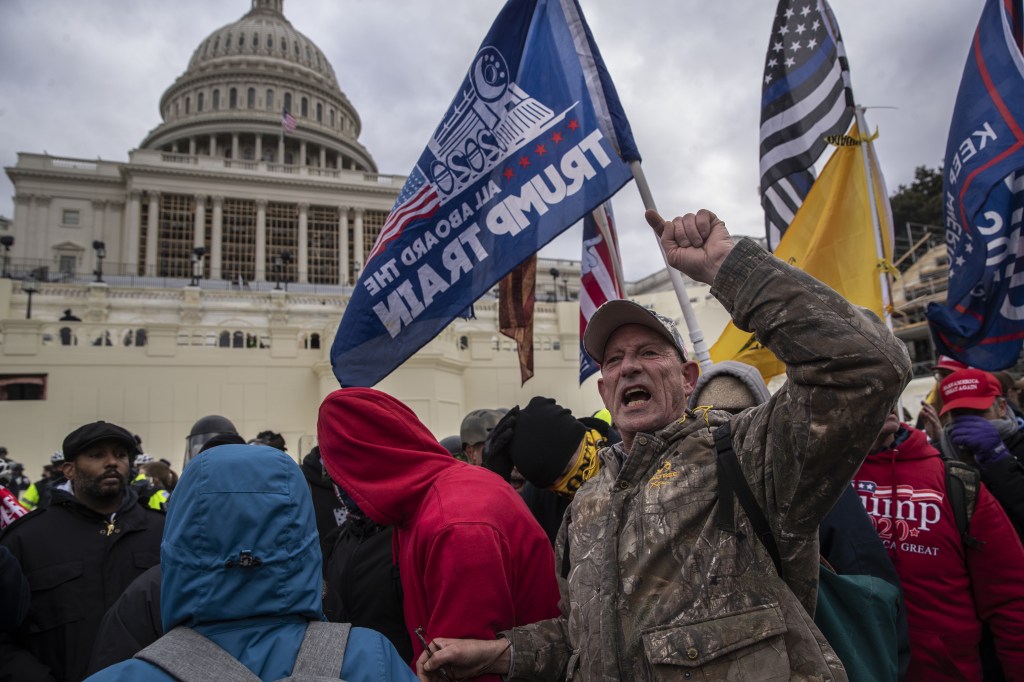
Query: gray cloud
[[84, 80]]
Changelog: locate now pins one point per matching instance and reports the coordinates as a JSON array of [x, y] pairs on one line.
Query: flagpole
[[700, 347], [862, 127]]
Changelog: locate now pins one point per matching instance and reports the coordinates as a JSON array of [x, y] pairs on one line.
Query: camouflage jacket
[[655, 590]]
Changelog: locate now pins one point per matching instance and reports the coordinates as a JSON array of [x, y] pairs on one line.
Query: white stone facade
[[211, 270]]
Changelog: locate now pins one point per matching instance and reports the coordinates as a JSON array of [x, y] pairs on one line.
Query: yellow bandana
[[583, 468]]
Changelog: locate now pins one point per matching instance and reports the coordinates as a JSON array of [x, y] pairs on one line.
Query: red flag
[[516, 296]]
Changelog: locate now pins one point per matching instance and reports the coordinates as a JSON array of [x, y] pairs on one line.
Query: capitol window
[[216, 100], [69, 216], [188, 105], [305, 107], [23, 387], [250, 98], [288, 101], [255, 39], [270, 41], [270, 100], [233, 98], [200, 98], [319, 113]]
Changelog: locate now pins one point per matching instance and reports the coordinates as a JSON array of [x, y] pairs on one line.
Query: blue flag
[[534, 139], [982, 323]]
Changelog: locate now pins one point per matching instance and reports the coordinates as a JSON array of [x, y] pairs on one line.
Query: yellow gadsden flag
[[832, 238]]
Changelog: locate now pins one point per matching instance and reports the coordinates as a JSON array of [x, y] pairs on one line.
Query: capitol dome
[[239, 82]]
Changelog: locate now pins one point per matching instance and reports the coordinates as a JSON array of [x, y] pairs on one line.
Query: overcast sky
[[83, 79]]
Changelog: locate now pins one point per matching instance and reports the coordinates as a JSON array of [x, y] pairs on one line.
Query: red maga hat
[[969, 388]]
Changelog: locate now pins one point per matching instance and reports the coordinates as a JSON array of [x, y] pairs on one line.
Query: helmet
[[57, 457], [205, 429], [452, 444], [6, 471], [477, 424]]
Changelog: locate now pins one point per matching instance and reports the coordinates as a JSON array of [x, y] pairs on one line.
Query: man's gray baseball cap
[[620, 312]]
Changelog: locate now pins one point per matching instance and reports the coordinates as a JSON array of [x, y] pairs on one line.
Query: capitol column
[[38, 237], [217, 237], [234, 147], [131, 231], [280, 149], [213, 145], [303, 243], [359, 252], [99, 219], [199, 228], [261, 240], [343, 245], [23, 220], [152, 236], [259, 147], [192, 146], [323, 156], [302, 153]]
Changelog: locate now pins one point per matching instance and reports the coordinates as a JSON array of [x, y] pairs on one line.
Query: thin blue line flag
[[534, 139], [982, 323]]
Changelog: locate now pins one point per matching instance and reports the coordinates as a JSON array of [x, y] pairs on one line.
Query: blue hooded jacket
[[241, 565]]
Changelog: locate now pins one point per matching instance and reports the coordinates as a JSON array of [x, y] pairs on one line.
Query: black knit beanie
[[546, 437]]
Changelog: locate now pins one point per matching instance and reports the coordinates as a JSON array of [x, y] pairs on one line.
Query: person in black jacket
[[14, 591], [361, 581], [78, 554], [330, 512], [553, 450]]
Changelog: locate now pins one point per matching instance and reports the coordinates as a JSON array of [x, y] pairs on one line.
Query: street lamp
[[29, 285], [7, 241], [197, 265], [554, 277], [565, 286], [278, 262], [101, 253], [286, 258]]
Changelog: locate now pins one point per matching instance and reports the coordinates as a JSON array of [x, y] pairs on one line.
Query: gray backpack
[[188, 656]]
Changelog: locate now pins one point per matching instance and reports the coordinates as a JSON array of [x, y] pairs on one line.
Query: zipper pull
[[110, 528]]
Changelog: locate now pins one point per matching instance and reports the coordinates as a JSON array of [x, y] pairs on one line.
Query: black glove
[[497, 454]]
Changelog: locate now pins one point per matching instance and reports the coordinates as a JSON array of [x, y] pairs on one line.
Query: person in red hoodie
[[471, 557], [950, 589]]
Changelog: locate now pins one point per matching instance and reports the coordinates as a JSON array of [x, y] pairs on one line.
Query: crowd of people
[[699, 527]]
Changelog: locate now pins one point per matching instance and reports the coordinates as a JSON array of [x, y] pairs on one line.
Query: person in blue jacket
[[241, 566]]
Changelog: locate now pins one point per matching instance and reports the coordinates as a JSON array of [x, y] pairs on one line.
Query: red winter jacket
[[949, 589], [472, 559]]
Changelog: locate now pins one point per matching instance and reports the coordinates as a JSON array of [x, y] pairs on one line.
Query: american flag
[[287, 121], [600, 273], [805, 96], [418, 199]]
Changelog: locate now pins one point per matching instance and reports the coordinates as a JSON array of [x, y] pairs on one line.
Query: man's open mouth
[[635, 396]]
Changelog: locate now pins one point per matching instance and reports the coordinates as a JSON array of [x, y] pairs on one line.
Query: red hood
[[915, 446], [379, 452]]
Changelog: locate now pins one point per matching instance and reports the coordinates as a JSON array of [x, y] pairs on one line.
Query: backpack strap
[[188, 656], [322, 651], [962, 489], [732, 482]]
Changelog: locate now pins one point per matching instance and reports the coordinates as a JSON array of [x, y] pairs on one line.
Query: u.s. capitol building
[[209, 272]]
